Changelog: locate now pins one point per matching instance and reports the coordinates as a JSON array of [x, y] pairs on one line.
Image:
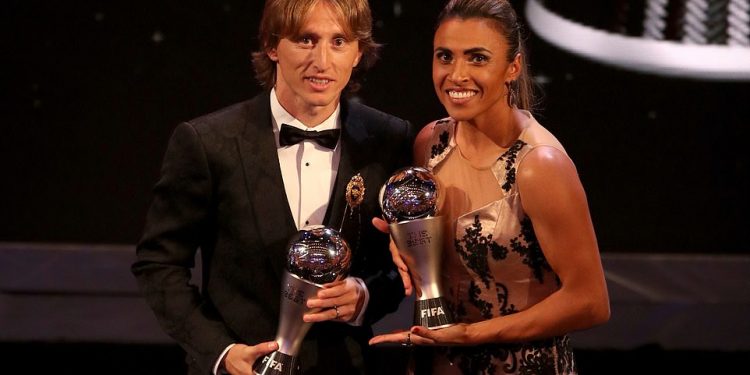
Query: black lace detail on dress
[[476, 249], [484, 307], [477, 360], [502, 299], [530, 358], [458, 309], [528, 247], [440, 147], [537, 360], [509, 157]]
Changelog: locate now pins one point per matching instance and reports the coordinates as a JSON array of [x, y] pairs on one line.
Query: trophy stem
[[292, 329], [420, 242]]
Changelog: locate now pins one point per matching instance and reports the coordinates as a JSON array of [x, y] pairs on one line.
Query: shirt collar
[[281, 116]]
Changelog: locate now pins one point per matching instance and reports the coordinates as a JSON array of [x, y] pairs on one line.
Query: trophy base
[[432, 313], [277, 363]]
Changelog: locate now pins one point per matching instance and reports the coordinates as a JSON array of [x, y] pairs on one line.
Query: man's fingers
[[341, 293], [337, 302], [343, 313], [241, 358], [264, 348]]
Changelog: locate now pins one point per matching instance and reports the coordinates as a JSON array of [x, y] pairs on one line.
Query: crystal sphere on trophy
[[409, 203], [317, 255]]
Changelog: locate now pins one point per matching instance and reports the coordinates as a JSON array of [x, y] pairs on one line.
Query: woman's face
[[469, 67]]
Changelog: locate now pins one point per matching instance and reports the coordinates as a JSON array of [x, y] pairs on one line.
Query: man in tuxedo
[[239, 182]]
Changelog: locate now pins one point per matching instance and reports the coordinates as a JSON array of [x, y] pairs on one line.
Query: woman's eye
[[479, 58], [443, 57]]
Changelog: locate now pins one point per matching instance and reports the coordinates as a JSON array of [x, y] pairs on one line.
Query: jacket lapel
[[353, 138], [265, 186]]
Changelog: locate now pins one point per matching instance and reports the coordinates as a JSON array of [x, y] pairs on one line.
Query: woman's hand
[[382, 226], [454, 335]]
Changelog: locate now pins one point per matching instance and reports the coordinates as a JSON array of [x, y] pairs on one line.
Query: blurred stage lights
[[686, 44]]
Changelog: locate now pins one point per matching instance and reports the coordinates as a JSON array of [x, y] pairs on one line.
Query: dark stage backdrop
[[93, 90]]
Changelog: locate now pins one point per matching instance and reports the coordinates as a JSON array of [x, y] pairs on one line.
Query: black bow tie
[[289, 135]]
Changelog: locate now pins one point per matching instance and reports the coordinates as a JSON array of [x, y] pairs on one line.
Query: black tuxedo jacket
[[221, 191]]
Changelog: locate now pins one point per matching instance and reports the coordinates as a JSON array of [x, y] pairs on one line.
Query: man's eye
[[305, 40], [339, 42]]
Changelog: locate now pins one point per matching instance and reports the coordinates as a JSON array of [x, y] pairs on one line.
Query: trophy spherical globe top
[[319, 254], [410, 193]]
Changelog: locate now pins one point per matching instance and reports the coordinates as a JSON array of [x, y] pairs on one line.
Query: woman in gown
[[521, 266]]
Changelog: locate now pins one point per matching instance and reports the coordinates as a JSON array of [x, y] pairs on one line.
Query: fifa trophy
[[317, 255], [409, 203]]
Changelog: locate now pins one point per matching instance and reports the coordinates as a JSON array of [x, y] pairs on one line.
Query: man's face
[[314, 67]]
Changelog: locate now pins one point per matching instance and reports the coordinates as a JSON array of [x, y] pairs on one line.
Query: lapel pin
[[355, 195], [355, 191]]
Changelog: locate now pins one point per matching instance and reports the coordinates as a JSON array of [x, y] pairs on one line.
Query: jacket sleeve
[[165, 256]]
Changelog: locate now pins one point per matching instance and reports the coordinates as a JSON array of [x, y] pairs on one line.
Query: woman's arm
[[555, 201]]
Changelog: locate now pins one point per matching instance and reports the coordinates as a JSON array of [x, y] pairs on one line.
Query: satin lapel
[[265, 186], [353, 139]]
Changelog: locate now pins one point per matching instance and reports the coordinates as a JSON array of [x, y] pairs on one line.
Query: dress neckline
[[500, 149]]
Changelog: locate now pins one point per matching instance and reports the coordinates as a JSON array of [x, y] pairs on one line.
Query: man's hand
[[382, 226], [240, 358], [340, 300]]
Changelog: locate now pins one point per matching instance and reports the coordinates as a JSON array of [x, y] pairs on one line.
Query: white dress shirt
[[306, 164]]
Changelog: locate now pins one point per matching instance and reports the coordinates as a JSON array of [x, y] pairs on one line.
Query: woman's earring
[[511, 88]]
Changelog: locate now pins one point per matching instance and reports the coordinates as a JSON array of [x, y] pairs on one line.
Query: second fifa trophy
[[409, 203], [317, 255]]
